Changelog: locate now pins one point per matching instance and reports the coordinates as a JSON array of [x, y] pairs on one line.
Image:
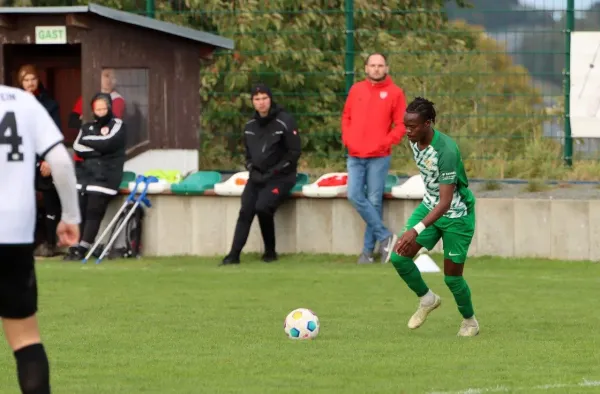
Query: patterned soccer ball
[[301, 323]]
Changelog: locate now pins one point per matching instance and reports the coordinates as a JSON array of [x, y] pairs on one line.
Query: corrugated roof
[[129, 18]]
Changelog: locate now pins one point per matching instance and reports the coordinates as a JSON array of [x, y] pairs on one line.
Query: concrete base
[[204, 225]]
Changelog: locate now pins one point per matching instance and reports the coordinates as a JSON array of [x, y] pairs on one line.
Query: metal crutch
[[130, 199], [141, 199]]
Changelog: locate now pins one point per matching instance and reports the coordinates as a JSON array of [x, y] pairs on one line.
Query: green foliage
[[298, 49], [485, 101], [491, 185], [535, 186]]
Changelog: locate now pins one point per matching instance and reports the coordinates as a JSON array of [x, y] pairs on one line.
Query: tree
[[484, 100]]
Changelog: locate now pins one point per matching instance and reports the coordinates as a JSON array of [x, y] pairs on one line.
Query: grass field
[[185, 325]]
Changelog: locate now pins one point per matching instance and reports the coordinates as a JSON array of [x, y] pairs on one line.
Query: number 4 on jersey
[[9, 136]]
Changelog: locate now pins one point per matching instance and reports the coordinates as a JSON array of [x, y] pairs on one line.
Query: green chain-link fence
[[496, 70]]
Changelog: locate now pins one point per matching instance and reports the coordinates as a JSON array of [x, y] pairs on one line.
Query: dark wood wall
[[173, 70]]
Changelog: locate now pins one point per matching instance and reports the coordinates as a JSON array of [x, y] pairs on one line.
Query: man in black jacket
[[101, 145], [30, 82], [272, 152]]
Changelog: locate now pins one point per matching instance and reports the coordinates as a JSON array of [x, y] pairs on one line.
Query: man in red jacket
[[372, 122]]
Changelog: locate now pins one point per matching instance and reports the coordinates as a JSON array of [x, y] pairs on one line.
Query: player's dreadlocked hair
[[423, 107]]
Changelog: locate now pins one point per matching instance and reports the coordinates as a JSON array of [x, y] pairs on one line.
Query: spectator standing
[[372, 122], [272, 151], [29, 81]]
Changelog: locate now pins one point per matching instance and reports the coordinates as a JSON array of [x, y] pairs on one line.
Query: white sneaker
[[421, 314], [469, 328]]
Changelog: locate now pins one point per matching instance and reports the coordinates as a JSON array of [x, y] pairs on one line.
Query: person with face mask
[[101, 145], [29, 81]]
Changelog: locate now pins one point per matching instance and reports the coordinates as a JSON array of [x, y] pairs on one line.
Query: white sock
[[471, 319], [428, 298]]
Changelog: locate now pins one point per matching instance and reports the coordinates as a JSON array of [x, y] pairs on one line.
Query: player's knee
[[453, 269]]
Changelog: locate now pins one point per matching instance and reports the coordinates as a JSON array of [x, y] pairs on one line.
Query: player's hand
[[68, 234], [405, 242], [45, 169]]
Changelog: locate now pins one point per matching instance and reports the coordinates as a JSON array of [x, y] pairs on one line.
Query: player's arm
[[446, 193], [63, 174], [447, 164], [113, 141]]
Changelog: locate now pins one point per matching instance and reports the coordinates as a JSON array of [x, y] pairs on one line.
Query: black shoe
[[269, 257], [230, 259], [75, 253]]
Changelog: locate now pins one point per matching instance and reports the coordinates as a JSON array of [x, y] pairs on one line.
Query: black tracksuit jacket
[[272, 143], [102, 148], [45, 183]]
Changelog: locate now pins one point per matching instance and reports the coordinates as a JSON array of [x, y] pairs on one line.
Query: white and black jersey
[[102, 148], [26, 130]]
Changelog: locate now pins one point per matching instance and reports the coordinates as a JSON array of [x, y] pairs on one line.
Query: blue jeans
[[366, 184]]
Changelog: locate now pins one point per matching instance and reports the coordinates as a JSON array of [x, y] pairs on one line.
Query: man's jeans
[[366, 184]]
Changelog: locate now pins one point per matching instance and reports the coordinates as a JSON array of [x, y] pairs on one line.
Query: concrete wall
[[204, 225]]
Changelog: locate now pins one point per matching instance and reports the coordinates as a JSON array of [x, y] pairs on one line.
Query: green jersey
[[441, 164]]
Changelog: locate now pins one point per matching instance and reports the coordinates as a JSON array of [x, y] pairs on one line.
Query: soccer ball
[[301, 323]]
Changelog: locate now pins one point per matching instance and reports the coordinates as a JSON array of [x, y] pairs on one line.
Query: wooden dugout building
[[153, 65]]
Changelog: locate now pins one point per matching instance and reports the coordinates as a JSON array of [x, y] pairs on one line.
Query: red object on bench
[[335, 180]]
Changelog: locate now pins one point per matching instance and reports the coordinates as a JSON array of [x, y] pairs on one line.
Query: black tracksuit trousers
[[93, 206], [261, 200], [53, 212]]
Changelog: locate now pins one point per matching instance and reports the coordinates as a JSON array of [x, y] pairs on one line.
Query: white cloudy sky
[[557, 4]]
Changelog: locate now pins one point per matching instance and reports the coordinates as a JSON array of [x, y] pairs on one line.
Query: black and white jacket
[[102, 149]]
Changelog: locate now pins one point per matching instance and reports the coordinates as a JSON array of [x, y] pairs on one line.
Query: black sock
[[33, 369]]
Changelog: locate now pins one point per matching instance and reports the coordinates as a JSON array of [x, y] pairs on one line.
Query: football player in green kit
[[447, 212]]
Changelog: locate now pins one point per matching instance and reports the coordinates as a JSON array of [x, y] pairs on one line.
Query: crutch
[[130, 199], [136, 202]]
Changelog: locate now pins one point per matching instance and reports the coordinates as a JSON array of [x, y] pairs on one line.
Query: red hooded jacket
[[373, 118]]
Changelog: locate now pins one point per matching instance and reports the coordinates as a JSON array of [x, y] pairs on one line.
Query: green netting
[[497, 71]]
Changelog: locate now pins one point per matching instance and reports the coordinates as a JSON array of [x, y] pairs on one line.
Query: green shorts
[[456, 234]]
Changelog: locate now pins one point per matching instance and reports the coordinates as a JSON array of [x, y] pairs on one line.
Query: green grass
[[183, 325]]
